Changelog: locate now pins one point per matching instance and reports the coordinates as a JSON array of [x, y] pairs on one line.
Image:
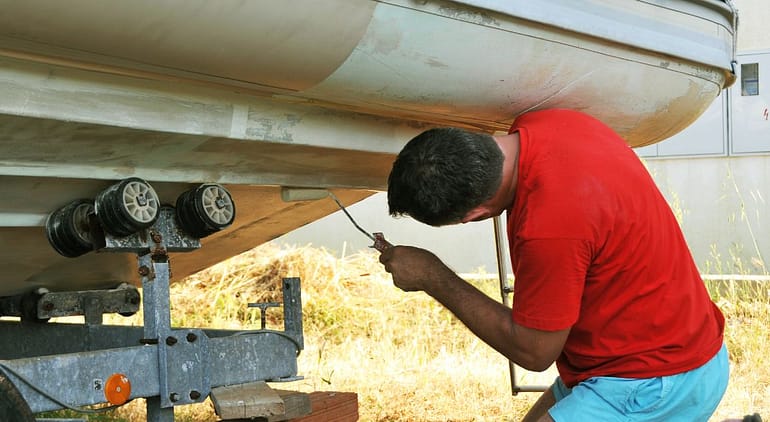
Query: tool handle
[[380, 243]]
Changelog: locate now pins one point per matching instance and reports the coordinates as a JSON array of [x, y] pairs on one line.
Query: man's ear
[[476, 214]]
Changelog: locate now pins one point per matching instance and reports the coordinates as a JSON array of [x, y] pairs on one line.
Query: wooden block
[[245, 401], [332, 406], [318, 406], [297, 404]]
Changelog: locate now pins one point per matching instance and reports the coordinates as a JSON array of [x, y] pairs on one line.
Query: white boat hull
[[259, 95]]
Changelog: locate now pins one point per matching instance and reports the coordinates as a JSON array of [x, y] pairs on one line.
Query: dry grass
[[407, 357], [747, 309]]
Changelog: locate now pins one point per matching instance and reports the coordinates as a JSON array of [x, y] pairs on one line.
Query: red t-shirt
[[595, 247]]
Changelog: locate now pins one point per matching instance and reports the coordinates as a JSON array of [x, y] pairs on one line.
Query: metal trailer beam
[[77, 379], [26, 340]]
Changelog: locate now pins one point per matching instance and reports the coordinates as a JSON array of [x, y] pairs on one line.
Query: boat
[[244, 100]]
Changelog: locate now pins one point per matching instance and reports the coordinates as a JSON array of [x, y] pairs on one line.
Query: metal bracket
[[292, 311], [164, 236], [263, 311], [184, 376], [92, 303], [41, 305], [182, 373]]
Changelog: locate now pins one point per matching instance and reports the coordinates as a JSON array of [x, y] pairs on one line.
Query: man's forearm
[[492, 322], [415, 269]]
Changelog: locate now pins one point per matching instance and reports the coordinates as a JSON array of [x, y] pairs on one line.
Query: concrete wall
[[753, 16], [722, 205]]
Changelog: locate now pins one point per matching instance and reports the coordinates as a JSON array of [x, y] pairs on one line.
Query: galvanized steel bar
[[77, 379]]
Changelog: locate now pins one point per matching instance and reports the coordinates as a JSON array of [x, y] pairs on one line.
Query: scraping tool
[[306, 194], [377, 237]]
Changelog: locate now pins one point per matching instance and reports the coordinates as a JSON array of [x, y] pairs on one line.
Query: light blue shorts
[[690, 396]]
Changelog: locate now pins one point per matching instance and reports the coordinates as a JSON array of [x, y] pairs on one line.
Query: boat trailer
[[51, 366]]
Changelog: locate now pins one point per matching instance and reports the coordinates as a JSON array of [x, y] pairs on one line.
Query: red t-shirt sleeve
[[550, 277]]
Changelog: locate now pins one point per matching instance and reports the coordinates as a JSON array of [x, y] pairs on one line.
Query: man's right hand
[[414, 269]]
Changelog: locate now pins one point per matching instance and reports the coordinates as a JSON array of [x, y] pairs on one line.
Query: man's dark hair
[[442, 174]]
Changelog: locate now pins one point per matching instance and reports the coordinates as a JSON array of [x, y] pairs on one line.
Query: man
[[605, 285]]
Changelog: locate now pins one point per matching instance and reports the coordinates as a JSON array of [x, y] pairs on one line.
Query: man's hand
[[414, 269]]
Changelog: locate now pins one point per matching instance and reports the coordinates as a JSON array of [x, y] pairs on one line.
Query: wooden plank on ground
[[332, 406], [244, 401], [296, 404]]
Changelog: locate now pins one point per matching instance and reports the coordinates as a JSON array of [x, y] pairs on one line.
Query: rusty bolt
[[191, 337], [144, 271], [48, 306], [195, 395], [171, 340]]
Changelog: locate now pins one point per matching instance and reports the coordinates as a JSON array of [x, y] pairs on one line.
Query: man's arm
[[415, 269]]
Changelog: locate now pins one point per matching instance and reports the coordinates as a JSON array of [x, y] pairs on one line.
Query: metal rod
[[502, 274], [502, 260], [339, 204], [530, 389]]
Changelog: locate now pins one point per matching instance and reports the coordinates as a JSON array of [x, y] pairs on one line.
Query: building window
[[750, 79]]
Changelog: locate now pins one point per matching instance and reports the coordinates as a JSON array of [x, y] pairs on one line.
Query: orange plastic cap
[[117, 389]]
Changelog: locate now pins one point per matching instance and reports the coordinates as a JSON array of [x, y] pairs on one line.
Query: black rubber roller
[[127, 207], [205, 210], [68, 230]]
